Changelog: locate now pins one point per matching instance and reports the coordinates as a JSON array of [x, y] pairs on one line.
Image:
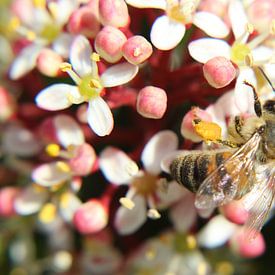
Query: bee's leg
[[238, 122], [227, 143], [257, 103]]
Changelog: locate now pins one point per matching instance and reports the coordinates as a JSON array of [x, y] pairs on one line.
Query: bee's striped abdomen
[[191, 170]]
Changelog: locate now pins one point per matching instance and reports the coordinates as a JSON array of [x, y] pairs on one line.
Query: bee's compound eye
[[261, 129]]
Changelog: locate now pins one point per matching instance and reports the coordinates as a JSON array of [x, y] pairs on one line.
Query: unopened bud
[[109, 42], [137, 49], [7, 198], [113, 13], [219, 72], [152, 102]]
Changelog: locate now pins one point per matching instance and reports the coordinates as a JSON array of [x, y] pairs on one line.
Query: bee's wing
[[262, 197], [230, 179]]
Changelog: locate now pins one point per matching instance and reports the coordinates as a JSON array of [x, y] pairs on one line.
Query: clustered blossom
[[97, 97]]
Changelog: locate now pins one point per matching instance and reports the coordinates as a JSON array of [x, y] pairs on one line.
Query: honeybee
[[247, 169]]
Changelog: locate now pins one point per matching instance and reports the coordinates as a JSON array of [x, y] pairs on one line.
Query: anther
[[64, 66], [95, 57], [127, 203], [53, 150], [153, 214], [94, 83]]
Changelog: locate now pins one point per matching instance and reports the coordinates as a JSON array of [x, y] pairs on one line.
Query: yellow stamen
[[127, 203], [153, 214], [191, 242], [249, 28], [95, 57], [48, 213], [249, 61], [65, 199], [63, 166], [94, 83], [64, 67], [208, 131], [53, 9], [53, 150], [39, 3]]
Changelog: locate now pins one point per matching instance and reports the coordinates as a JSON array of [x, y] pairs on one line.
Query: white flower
[[240, 52], [145, 185], [43, 26], [169, 29], [89, 86]]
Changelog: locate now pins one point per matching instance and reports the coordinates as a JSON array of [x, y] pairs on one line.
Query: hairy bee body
[[192, 169]]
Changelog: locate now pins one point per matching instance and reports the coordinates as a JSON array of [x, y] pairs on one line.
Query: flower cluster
[[97, 98]]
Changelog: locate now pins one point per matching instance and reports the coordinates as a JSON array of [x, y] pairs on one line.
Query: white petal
[[68, 131], [211, 24], [62, 44], [206, 48], [157, 4], [115, 164], [262, 53], [244, 98], [55, 97], [166, 34], [80, 55], [128, 221], [65, 9], [100, 117], [49, 174], [19, 141], [174, 193], [119, 74], [157, 148], [216, 232], [25, 61], [184, 213], [237, 17], [30, 200], [167, 160]]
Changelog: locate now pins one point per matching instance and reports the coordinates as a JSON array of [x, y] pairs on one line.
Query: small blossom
[[152, 102], [7, 198], [88, 87]]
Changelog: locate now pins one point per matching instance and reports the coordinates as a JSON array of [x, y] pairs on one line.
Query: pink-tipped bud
[[109, 42], [219, 71], [217, 7], [261, 13], [48, 62], [7, 104], [187, 128], [235, 212], [84, 159], [7, 198], [90, 217], [241, 245], [113, 13], [84, 21], [152, 102], [137, 49]]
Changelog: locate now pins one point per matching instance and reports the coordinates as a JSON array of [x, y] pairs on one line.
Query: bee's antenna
[[267, 79]]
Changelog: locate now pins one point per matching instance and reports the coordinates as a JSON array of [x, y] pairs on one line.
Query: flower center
[[50, 32], [181, 12], [239, 53], [89, 87], [145, 184]]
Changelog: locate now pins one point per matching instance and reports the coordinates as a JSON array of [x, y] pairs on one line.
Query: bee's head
[[269, 107]]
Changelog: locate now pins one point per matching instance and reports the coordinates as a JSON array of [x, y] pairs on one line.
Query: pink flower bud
[[113, 13], [219, 71], [217, 7], [84, 159], [7, 198], [152, 102], [187, 128], [235, 212], [109, 42], [91, 217], [84, 21], [241, 245], [261, 13], [137, 49], [48, 62], [7, 104]]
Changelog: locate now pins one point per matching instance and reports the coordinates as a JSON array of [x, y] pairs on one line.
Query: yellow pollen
[[14, 23], [48, 213], [30, 35], [249, 61], [65, 199], [191, 242], [39, 3], [64, 67], [95, 57], [63, 166], [153, 214], [53, 150], [127, 203], [145, 184], [94, 83], [208, 131], [249, 28]]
